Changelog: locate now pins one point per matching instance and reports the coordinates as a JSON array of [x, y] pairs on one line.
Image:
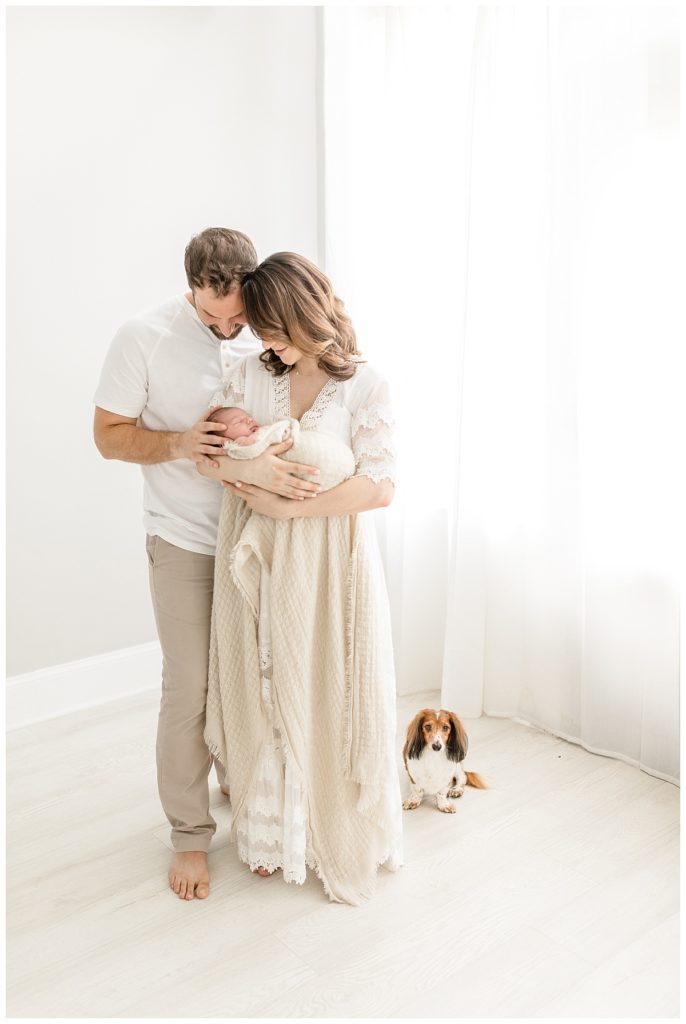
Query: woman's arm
[[359, 494], [267, 473]]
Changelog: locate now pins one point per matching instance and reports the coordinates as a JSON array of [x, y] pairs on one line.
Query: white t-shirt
[[163, 367]]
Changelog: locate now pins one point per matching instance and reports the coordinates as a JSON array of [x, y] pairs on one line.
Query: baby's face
[[238, 424]]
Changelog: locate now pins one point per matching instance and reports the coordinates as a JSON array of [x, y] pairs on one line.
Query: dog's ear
[[457, 741], [414, 744]]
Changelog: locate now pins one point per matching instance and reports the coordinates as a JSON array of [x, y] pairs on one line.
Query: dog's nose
[[437, 745]]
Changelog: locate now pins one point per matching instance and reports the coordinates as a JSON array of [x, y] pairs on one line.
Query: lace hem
[[377, 473], [371, 415], [374, 448], [372, 443], [375, 458], [275, 862], [391, 859]]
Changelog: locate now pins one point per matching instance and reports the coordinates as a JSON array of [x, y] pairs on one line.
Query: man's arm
[[119, 437]]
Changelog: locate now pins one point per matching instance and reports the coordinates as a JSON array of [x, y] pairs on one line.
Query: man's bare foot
[[188, 875]]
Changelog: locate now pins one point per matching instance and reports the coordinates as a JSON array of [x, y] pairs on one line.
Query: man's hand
[[279, 476], [201, 441]]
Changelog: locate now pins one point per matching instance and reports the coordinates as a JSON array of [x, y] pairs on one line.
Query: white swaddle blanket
[[334, 459]]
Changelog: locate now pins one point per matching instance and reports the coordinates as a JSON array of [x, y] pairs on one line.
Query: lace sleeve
[[372, 435], [232, 390]]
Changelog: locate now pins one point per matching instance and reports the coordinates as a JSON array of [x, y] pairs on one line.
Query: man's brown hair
[[219, 258]]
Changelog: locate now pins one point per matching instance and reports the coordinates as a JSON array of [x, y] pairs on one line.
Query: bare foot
[[188, 875], [262, 872]]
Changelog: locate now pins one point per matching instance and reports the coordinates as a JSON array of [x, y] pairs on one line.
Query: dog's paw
[[446, 808], [456, 792], [409, 805]]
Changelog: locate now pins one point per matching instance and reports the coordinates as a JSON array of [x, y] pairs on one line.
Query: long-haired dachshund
[[434, 750]]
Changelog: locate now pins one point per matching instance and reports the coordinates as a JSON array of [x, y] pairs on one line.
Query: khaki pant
[[181, 585]]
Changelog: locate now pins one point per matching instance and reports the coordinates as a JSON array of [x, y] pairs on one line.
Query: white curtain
[[501, 209]]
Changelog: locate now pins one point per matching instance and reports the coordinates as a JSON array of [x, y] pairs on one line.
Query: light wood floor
[[552, 894]]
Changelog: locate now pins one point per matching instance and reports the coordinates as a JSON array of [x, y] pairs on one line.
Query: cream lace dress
[[272, 830]]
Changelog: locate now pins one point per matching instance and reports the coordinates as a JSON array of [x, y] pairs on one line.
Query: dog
[[434, 750]]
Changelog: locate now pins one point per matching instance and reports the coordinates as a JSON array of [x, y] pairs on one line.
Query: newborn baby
[[243, 432], [246, 439]]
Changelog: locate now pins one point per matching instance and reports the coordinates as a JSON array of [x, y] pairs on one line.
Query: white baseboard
[[59, 690]]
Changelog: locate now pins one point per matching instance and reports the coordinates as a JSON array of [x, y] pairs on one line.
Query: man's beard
[[222, 337]]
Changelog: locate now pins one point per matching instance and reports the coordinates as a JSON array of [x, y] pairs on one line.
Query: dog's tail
[[475, 780]]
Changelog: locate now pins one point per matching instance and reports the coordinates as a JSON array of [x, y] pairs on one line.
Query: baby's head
[[238, 423]]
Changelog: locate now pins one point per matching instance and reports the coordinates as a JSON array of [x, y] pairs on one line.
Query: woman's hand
[[264, 502], [270, 473], [267, 473]]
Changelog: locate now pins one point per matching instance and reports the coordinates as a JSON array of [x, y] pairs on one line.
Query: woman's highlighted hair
[[287, 298]]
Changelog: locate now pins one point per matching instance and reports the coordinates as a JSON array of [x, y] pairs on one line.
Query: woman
[[301, 701]]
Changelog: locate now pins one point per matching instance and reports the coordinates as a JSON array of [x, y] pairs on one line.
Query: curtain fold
[[501, 196]]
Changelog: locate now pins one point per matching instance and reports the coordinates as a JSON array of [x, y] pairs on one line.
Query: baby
[[243, 432], [246, 439]]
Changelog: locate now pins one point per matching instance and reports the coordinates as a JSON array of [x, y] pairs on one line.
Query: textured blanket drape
[[332, 679]]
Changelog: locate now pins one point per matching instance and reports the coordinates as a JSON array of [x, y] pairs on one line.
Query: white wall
[[129, 129]]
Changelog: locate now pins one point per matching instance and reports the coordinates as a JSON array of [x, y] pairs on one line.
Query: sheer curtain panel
[[501, 210]]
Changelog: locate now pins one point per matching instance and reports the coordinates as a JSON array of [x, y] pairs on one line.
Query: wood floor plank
[[640, 980], [560, 881], [615, 913]]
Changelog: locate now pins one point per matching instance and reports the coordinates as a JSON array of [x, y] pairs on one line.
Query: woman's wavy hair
[[288, 297]]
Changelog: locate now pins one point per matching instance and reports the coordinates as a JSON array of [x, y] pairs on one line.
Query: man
[[152, 401]]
